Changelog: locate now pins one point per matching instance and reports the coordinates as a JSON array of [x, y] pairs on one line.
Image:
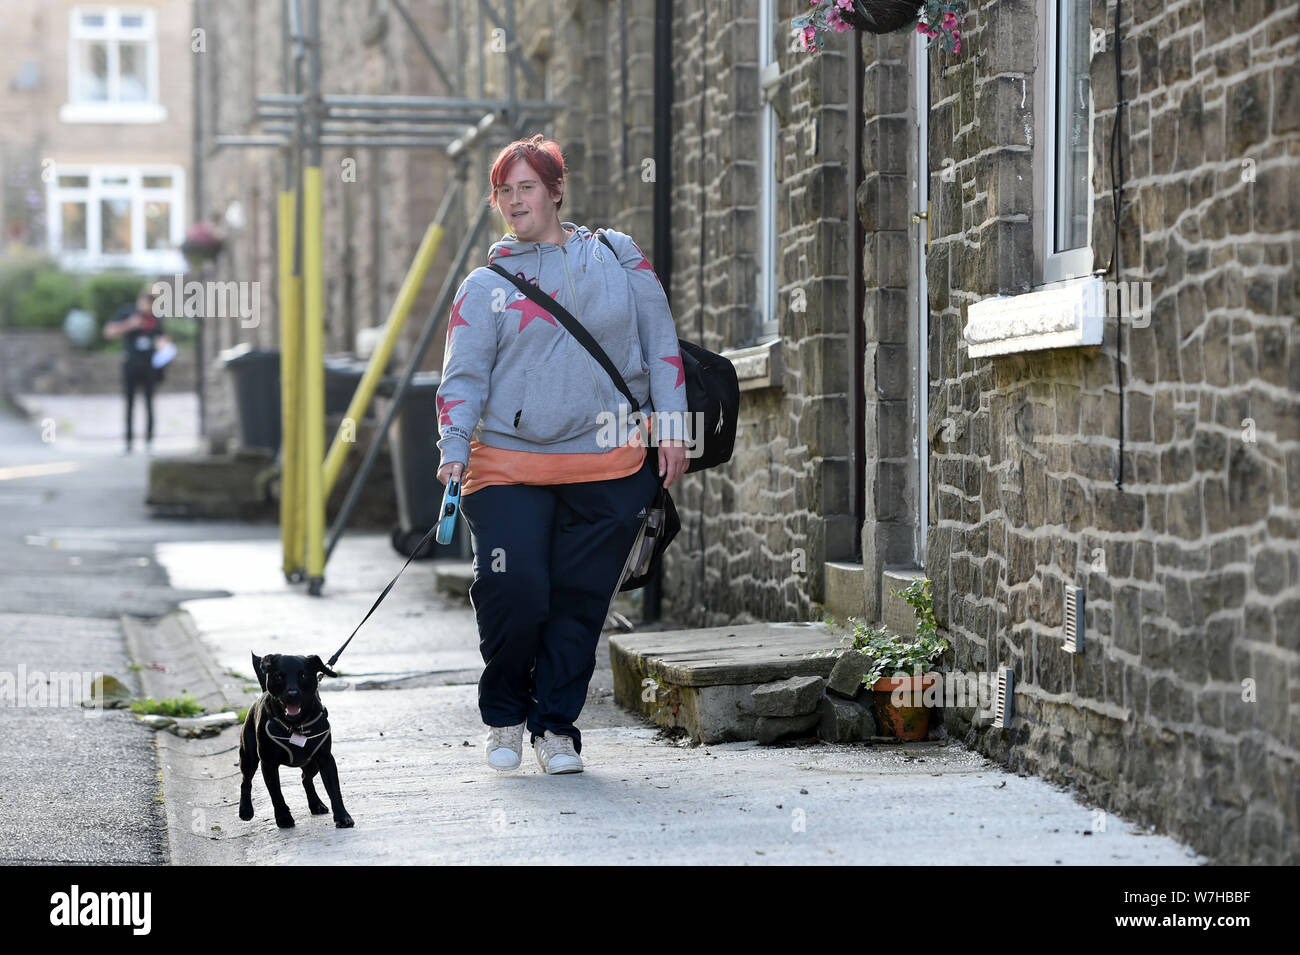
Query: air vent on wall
[[1073, 619], [1003, 708]]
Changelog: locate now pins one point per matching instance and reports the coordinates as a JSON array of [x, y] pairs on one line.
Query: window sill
[[112, 113], [1065, 316], [759, 366], [167, 261]]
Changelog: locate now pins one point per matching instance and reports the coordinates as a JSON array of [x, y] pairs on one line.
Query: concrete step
[[705, 678]]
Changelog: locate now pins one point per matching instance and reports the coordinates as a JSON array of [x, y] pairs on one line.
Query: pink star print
[[528, 310], [457, 319], [676, 362], [645, 264], [444, 409]]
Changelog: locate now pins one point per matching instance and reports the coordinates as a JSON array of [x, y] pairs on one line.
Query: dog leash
[[418, 547]]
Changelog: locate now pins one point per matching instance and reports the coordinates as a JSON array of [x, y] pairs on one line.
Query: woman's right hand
[[450, 470]]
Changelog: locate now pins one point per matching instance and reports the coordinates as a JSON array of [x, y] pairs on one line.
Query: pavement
[[409, 742]]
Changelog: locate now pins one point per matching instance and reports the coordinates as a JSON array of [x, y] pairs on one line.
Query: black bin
[[413, 445], [342, 375], [256, 375]]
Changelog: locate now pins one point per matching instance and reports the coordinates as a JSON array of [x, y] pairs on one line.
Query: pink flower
[[839, 26], [949, 20], [956, 46], [844, 4], [931, 32], [956, 34], [922, 28]]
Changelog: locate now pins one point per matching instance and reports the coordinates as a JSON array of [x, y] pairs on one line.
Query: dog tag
[[298, 739]]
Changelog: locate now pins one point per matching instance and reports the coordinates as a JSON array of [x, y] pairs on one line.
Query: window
[[112, 66], [117, 216], [769, 73], [1067, 132]]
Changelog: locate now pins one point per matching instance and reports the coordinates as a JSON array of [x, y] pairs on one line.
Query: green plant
[[46, 301], [18, 272], [183, 705], [108, 292], [917, 595], [889, 652]]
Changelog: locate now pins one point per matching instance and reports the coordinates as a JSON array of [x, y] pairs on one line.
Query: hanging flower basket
[[203, 242], [933, 18]]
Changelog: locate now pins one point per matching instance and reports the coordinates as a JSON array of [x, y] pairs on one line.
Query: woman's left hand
[[672, 460]]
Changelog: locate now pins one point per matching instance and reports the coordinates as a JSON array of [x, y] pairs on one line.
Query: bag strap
[[573, 325]]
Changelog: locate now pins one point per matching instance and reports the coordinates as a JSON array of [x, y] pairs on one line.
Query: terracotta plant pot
[[905, 722]]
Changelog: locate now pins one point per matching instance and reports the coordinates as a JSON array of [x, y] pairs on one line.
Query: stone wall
[[1181, 710], [889, 532], [757, 531], [47, 363]]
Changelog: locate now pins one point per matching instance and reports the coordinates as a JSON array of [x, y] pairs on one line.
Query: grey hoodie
[[514, 377]]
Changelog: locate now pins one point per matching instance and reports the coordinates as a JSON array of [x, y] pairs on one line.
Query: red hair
[[542, 156]]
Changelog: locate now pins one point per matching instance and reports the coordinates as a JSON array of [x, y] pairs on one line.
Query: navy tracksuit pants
[[546, 560]]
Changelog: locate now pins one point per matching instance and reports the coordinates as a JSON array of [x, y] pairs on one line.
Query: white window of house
[[112, 66], [769, 74], [117, 217], [1067, 232]]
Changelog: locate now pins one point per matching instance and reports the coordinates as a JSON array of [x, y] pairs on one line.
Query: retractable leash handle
[[450, 509]]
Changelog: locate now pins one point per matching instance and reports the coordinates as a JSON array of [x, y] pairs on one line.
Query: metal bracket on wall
[[1004, 703], [1073, 620], [918, 217]]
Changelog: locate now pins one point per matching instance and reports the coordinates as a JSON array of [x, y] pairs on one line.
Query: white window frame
[[769, 74], [1076, 263], [112, 109], [93, 257]]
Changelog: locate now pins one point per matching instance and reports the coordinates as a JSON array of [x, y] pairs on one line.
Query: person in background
[[142, 334]]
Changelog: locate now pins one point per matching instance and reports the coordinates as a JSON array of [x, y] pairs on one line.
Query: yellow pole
[[314, 374], [290, 364], [397, 316]]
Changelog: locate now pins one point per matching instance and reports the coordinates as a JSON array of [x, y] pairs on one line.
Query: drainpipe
[[857, 296], [196, 187], [662, 208]]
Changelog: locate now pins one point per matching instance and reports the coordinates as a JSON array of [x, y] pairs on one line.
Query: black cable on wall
[[1116, 266]]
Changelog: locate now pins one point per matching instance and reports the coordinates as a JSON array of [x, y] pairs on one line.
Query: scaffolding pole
[[313, 280], [393, 327], [301, 122]]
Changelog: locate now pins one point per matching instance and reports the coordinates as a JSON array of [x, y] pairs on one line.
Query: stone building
[[908, 254], [95, 106], [1140, 447], [377, 203]]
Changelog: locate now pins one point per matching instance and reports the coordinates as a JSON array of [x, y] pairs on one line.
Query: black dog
[[289, 726]]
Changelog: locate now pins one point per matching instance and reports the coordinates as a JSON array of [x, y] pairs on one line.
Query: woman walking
[[556, 473]]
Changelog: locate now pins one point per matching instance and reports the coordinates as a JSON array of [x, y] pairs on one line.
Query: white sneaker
[[555, 754], [505, 746]]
